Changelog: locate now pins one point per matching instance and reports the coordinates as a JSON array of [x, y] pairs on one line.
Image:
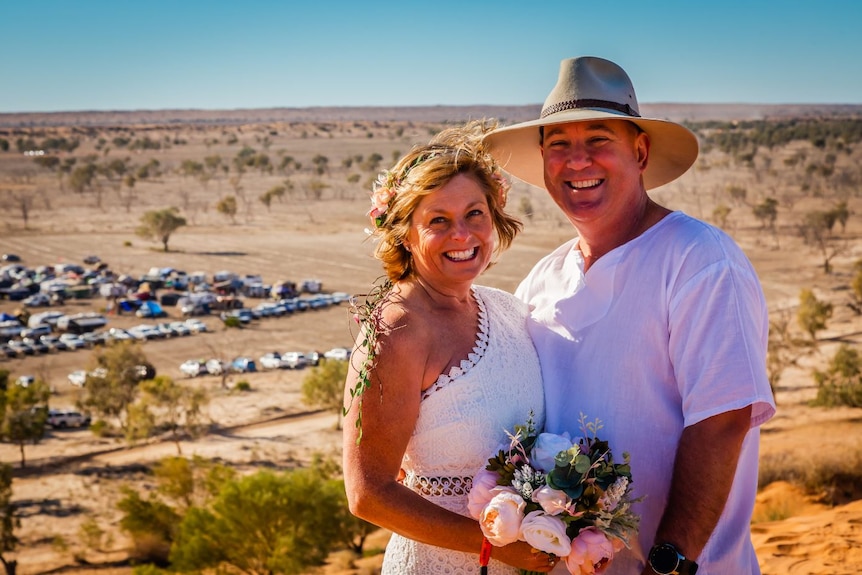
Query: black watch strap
[[665, 559]]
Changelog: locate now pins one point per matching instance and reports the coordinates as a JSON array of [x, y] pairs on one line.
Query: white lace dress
[[462, 421]]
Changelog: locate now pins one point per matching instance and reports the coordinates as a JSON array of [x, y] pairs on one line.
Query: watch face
[[664, 559]]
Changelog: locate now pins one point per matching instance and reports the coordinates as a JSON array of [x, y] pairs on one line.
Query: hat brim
[[673, 148]]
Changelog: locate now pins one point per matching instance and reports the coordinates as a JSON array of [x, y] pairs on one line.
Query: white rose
[[546, 533], [547, 446], [553, 501], [501, 519]]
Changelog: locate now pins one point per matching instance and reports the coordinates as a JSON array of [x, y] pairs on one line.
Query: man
[[649, 320]]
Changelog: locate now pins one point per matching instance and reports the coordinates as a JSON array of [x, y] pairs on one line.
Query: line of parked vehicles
[[42, 340], [268, 361]]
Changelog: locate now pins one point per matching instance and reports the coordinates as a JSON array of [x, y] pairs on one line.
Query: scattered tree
[[165, 404], [110, 393], [841, 383], [324, 386], [766, 212], [227, 206], [784, 350], [160, 224], [720, 214], [24, 412], [812, 314]]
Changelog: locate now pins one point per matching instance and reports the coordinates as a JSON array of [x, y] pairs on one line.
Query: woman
[[442, 368]]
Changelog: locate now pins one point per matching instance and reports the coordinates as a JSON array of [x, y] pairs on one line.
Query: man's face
[[593, 169]]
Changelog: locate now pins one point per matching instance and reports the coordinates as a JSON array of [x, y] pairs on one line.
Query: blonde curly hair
[[426, 168]]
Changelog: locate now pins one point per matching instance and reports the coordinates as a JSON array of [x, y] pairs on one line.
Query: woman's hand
[[523, 556]]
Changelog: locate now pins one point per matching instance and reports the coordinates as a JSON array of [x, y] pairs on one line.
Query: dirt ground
[[72, 476]]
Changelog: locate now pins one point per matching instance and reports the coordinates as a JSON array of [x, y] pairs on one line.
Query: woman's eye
[[438, 220], [476, 212]]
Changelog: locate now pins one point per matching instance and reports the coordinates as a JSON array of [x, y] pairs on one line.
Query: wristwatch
[[665, 559]]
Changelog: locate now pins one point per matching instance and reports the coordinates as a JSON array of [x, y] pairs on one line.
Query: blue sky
[[211, 54]]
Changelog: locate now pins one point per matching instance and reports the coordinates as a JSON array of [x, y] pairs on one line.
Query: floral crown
[[385, 188]]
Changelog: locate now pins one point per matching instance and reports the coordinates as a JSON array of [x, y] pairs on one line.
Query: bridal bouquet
[[564, 497]]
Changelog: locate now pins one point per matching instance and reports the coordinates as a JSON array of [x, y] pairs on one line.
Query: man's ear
[[642, 145]]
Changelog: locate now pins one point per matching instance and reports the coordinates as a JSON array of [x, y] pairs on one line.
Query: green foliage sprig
[[366, 312]]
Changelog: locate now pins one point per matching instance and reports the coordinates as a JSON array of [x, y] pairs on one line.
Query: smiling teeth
[[462, 255], [585, 184]]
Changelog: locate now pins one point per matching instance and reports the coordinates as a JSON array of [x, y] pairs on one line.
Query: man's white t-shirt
[[661, 333]]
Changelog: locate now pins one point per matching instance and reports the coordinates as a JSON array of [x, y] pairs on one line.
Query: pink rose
[[546, 533], [501, 519], [591, 552], [553, 501], [480, 494]]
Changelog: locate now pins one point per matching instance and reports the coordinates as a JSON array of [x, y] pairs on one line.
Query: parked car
[[243, 365], [37, 300], [92, 260], [340, 297], [7, 351], [60, 418], [21, 348], [196, 325], [36, 344], [36, 332], [180, 328], [215, 367], [73, 341], [293, 360], [25, 380], [10, 258], [78, 378], [271, 360], [193, 367], [340, 353], [54, 342], [145, 332], [119, 334]]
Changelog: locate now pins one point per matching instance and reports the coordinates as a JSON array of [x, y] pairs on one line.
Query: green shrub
[[841, 383], [242, 386]]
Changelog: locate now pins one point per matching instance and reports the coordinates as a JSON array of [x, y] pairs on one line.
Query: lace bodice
[[462, 421]]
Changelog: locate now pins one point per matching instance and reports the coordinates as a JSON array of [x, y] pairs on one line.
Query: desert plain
[[314, 229]]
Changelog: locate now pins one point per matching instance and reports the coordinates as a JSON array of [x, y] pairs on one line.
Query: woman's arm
[[390, 408]]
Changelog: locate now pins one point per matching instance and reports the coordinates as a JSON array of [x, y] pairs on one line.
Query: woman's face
[[451, 235]]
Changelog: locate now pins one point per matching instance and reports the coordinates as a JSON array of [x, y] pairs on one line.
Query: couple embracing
[[648, 320]]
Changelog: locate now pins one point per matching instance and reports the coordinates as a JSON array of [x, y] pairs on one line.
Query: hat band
[[589, 103]]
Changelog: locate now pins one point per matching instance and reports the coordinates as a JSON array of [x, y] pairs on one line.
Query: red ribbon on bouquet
[[484, 556]]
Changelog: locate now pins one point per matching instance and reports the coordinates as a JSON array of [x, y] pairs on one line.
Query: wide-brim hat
[[592, 88]]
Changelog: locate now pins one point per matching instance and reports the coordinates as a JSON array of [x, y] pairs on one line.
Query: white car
[[194, 367], [180, 328], [145, 332], [271, 360], [215, 367], [78, 378], [73, 341], [195, 325], [293, 360], [340, 353], [67, 418], [119, 334]]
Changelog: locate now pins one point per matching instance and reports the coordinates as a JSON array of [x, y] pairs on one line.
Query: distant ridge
[[678, 112]]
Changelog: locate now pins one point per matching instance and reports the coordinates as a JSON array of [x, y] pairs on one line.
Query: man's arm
[[703, 473]]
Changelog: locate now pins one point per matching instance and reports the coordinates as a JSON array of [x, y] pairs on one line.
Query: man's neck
[[596, 241]]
